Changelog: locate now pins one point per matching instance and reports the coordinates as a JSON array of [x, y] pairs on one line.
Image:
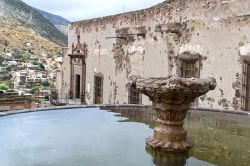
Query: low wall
[[15, 103], [125, 107]]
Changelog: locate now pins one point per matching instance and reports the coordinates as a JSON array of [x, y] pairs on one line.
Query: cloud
[[74, 10]]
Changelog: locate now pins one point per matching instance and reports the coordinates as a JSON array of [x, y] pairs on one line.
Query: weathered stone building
[[189, 38]]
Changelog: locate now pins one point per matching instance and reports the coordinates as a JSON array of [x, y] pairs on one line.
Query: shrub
[[25, 56], [4, 86], [35, 62]]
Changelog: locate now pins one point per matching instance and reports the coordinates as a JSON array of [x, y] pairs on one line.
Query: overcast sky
[[75, 10]]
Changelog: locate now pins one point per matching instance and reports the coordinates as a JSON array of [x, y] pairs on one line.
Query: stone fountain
[[171, 97]]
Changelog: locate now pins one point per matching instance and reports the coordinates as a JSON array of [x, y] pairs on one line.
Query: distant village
[[25, 75]]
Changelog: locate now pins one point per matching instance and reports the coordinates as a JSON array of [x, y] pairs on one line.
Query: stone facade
[[160, 41]]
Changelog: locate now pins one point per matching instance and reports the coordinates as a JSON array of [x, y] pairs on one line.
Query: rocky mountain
[[21, 23], [57, 21]]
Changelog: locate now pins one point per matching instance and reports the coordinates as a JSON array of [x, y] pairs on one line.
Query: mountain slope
[[58, 21], [19, 14]]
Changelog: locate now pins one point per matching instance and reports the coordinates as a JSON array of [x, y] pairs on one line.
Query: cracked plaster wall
[[214, 29]]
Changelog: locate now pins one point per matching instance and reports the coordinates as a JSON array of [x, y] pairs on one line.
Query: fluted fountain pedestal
[[171, 98]]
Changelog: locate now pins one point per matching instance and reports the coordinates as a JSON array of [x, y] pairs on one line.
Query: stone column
[[71, 78], [83, 101], [171, 97]]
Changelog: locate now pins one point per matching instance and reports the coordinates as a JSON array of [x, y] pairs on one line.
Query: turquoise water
[[86, 137], [71, 138]]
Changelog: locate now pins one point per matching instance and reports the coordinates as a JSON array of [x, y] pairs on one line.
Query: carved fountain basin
[[171, 97]]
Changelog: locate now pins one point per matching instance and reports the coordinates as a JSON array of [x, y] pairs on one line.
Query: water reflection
[[167, 159], [220, 139]]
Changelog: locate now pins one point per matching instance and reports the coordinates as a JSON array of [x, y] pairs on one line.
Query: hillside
[[16, 15], [17, 37], [58, 21]]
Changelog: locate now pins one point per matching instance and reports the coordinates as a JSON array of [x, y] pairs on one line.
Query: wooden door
[[98, 90], [244, 86], [248, 88]]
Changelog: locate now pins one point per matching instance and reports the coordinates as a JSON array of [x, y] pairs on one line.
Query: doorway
[[246, 86], [98, 93], [77, 86]]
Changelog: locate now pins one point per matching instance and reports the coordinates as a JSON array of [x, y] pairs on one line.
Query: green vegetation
[[4, 86], [46, 98], [45, 83], [41, 66], [52, 87], [35, 62], [27, 85], [25, 56], [35, 89], [18, 21], [36, 59]]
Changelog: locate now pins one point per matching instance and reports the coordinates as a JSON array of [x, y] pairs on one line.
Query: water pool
[[93, 137]]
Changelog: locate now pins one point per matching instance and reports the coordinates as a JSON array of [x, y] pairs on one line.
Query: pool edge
[[116, 106]]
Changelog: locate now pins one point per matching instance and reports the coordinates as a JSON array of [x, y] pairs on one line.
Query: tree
[[4, 86], [35, 89], [45, 83], [41, 66]]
